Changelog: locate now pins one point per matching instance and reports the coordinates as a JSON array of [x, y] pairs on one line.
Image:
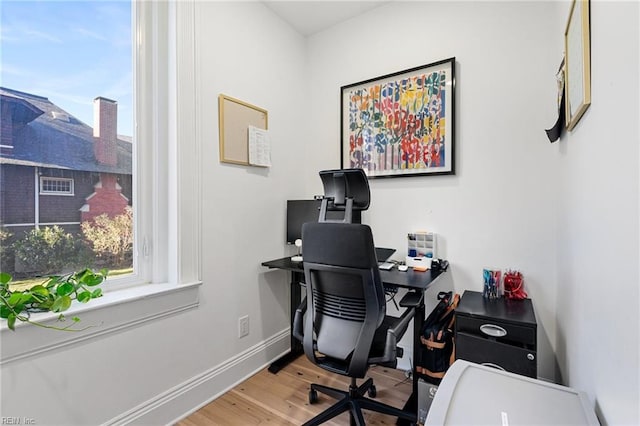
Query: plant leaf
[[80, 276], [96, 293], [11, 321], [14, 299], [26, 298], [18, 308], [5, 311], [39, 290], [92, 280], [65, 289], [62, 303], [4, 278], [45, 304], [84, 297]]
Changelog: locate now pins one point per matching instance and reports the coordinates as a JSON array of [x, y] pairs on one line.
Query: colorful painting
[[401, 124]]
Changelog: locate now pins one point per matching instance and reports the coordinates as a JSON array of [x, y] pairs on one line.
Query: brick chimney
[[107, 198], [105, 128]]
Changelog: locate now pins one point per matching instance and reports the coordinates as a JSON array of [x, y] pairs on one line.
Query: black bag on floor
[[437, 352]]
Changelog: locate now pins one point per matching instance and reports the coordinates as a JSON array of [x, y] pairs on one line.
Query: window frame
[[71, 191], [167, 190]]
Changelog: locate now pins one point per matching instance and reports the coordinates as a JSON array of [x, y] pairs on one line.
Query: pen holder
[[491, 279]]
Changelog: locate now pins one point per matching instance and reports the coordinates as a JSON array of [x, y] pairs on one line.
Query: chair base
[[354, 401]]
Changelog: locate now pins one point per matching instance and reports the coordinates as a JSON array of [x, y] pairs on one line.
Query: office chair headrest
[[346, 183], [339, 244]]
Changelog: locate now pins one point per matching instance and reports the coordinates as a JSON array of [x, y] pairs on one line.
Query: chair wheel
[[372, 392], [313, 396]]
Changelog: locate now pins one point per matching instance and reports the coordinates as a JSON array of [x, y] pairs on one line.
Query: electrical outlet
[[243, 326]]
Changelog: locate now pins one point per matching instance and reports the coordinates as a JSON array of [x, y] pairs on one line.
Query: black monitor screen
[[302, 211]]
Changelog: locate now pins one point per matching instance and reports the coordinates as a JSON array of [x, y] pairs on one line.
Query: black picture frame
[[401, 124]]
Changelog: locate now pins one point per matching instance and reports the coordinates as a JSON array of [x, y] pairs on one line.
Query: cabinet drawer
[[495, 354], [501, 331]]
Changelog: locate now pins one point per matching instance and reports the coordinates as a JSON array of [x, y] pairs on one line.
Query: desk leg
[[418, 323], [296, 346], [412, 402]]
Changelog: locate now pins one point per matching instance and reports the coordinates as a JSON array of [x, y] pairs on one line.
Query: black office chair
[[342, 322]]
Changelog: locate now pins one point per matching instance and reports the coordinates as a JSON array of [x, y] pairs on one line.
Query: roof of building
[[51, 137]]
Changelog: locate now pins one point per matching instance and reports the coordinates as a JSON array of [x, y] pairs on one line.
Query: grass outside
[[27, 283]]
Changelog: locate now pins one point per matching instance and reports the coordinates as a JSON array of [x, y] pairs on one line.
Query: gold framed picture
[[577, 63]]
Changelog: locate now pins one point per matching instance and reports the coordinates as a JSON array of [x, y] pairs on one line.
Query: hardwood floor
[[282, 399]]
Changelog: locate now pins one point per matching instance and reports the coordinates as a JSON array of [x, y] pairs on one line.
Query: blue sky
[[70, 52]]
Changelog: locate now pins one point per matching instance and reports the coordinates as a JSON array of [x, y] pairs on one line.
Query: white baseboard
[[178, 402]]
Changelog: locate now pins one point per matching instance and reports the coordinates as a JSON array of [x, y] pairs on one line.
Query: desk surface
[[520, 312], [410, 279]]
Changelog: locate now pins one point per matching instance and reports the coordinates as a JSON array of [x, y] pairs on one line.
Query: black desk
[[411, 280]]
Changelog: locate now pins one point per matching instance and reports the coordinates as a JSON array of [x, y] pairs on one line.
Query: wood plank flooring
[[282, 399]]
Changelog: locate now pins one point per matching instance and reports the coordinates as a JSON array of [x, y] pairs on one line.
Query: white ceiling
[[309, 17]]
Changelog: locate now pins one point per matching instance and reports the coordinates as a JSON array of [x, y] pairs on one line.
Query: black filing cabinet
[[500, 333]]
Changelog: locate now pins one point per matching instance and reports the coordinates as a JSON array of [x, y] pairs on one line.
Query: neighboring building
[[56, 170]]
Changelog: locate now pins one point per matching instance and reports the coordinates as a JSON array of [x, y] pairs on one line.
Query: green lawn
[[27, 283]]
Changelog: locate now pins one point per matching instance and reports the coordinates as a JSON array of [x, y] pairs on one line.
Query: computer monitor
[[302, 211]]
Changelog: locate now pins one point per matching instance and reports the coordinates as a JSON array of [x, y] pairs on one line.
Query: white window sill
[[114, 311]]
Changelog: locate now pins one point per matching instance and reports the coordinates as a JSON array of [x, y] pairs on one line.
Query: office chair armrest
[[412, 299], [394, 334], [298, 320], [400, 327]]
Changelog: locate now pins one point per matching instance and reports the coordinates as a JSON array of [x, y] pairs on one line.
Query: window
[[163, 188], [67, 116], [56, 186]]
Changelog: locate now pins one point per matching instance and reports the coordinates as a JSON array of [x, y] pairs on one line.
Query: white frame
[[167, 190]]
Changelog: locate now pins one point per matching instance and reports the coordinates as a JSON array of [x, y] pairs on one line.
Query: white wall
[[598, 313], [500, 208], [245, 52]]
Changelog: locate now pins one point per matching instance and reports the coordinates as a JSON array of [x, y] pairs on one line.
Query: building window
[[56, 186]]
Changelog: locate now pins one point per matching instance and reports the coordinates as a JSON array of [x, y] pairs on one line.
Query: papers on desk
[[259, 147]]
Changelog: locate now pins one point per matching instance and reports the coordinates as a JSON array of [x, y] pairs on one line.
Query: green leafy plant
[[54, 295]]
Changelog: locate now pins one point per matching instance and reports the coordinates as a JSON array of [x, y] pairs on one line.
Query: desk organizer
[[421, 248]]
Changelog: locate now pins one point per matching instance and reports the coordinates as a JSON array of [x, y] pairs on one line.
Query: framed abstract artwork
[[577, 63], [401, 124]]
